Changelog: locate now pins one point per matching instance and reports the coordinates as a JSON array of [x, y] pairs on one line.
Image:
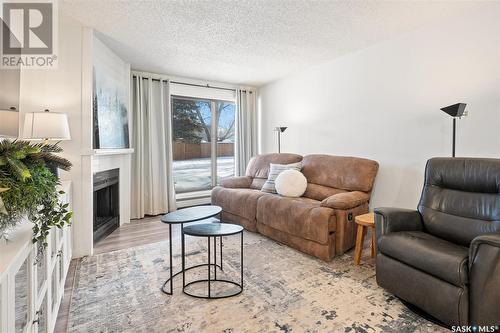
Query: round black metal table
[[187, 215], [210, 230]]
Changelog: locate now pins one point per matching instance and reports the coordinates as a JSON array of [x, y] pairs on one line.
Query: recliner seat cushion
[[301, 217], [430, 254], [237, 201]]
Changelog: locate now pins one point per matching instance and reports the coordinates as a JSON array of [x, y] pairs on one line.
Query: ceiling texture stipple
[[250, 42]]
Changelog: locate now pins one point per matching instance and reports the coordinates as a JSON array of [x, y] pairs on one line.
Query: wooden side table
[[364, 222]]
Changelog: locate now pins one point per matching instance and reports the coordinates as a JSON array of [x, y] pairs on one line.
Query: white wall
[[60, 90], [383, 103], [68, 89]]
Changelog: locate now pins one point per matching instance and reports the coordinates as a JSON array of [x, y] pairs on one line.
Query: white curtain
[[152, 181], [246, 129]]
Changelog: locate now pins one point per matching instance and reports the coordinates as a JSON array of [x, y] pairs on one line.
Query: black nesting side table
[[187, 215], [210, 230]]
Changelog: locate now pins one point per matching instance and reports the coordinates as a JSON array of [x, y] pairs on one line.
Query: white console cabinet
[[31, 288]]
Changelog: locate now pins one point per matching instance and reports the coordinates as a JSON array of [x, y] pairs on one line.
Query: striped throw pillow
[[274, 171]]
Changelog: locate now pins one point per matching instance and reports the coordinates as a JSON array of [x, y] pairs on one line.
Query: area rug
[[284, 291]]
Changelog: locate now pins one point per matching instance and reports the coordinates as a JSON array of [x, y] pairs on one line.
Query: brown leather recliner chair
[[444, 258]]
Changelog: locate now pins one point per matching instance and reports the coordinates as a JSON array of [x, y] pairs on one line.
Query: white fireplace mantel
[[104, 152]]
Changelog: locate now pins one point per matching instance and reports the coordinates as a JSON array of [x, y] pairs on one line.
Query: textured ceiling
[[249, 42]]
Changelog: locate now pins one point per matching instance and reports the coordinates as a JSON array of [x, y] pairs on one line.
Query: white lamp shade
[[46, 126], [9, 123]]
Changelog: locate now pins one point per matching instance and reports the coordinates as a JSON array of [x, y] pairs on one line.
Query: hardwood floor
[[62, 316], [136, 233]]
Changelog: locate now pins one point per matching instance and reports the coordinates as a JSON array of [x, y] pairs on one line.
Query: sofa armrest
[[346, 200], [484, 272], [396, 219], [236, 182]]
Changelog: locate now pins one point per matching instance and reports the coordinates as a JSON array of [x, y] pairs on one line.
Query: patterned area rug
[[285, 291]]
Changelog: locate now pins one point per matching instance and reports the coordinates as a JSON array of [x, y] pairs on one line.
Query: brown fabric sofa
[[321, 222]]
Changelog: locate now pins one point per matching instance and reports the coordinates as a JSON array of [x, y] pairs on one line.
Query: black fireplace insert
[[106, 203]]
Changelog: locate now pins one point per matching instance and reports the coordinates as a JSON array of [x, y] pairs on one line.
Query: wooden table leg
[[360, 237], [374, 243]]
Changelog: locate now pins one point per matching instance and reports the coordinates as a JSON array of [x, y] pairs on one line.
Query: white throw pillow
[[291, 183]]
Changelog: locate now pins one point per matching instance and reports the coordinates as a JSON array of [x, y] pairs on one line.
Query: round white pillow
[[291, 183]]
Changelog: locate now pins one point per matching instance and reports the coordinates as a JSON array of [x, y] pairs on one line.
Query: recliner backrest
[[461, 198], [258, 167], [328, 175]]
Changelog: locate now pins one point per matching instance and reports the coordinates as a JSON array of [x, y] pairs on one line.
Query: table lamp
[[46, 126]]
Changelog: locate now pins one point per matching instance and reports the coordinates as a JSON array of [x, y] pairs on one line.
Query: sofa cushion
[[237, 201], [249, 225], [320, 192], [257, 183], [301, 217], [340, 172], [347, 200], [428, 253], [236, 182], [258, 167]]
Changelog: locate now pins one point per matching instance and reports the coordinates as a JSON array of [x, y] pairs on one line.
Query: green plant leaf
[[18, 168], [32, 187], [19, 155]]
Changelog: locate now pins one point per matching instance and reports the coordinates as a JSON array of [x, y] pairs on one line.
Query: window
[[203, 142]]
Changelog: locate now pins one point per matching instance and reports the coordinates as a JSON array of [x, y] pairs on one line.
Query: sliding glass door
[[203, 142]]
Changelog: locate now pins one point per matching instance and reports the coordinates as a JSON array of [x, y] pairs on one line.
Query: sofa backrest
[[258, 167], [461, 198], [328, 175]]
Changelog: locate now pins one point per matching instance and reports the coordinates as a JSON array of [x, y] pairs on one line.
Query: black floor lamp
[[279, 130], [456, 111]]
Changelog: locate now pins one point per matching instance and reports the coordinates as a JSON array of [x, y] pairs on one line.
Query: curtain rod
[[199, 85]]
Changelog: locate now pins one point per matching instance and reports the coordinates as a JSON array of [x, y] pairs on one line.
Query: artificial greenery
[[30, 188], [16, 157]]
